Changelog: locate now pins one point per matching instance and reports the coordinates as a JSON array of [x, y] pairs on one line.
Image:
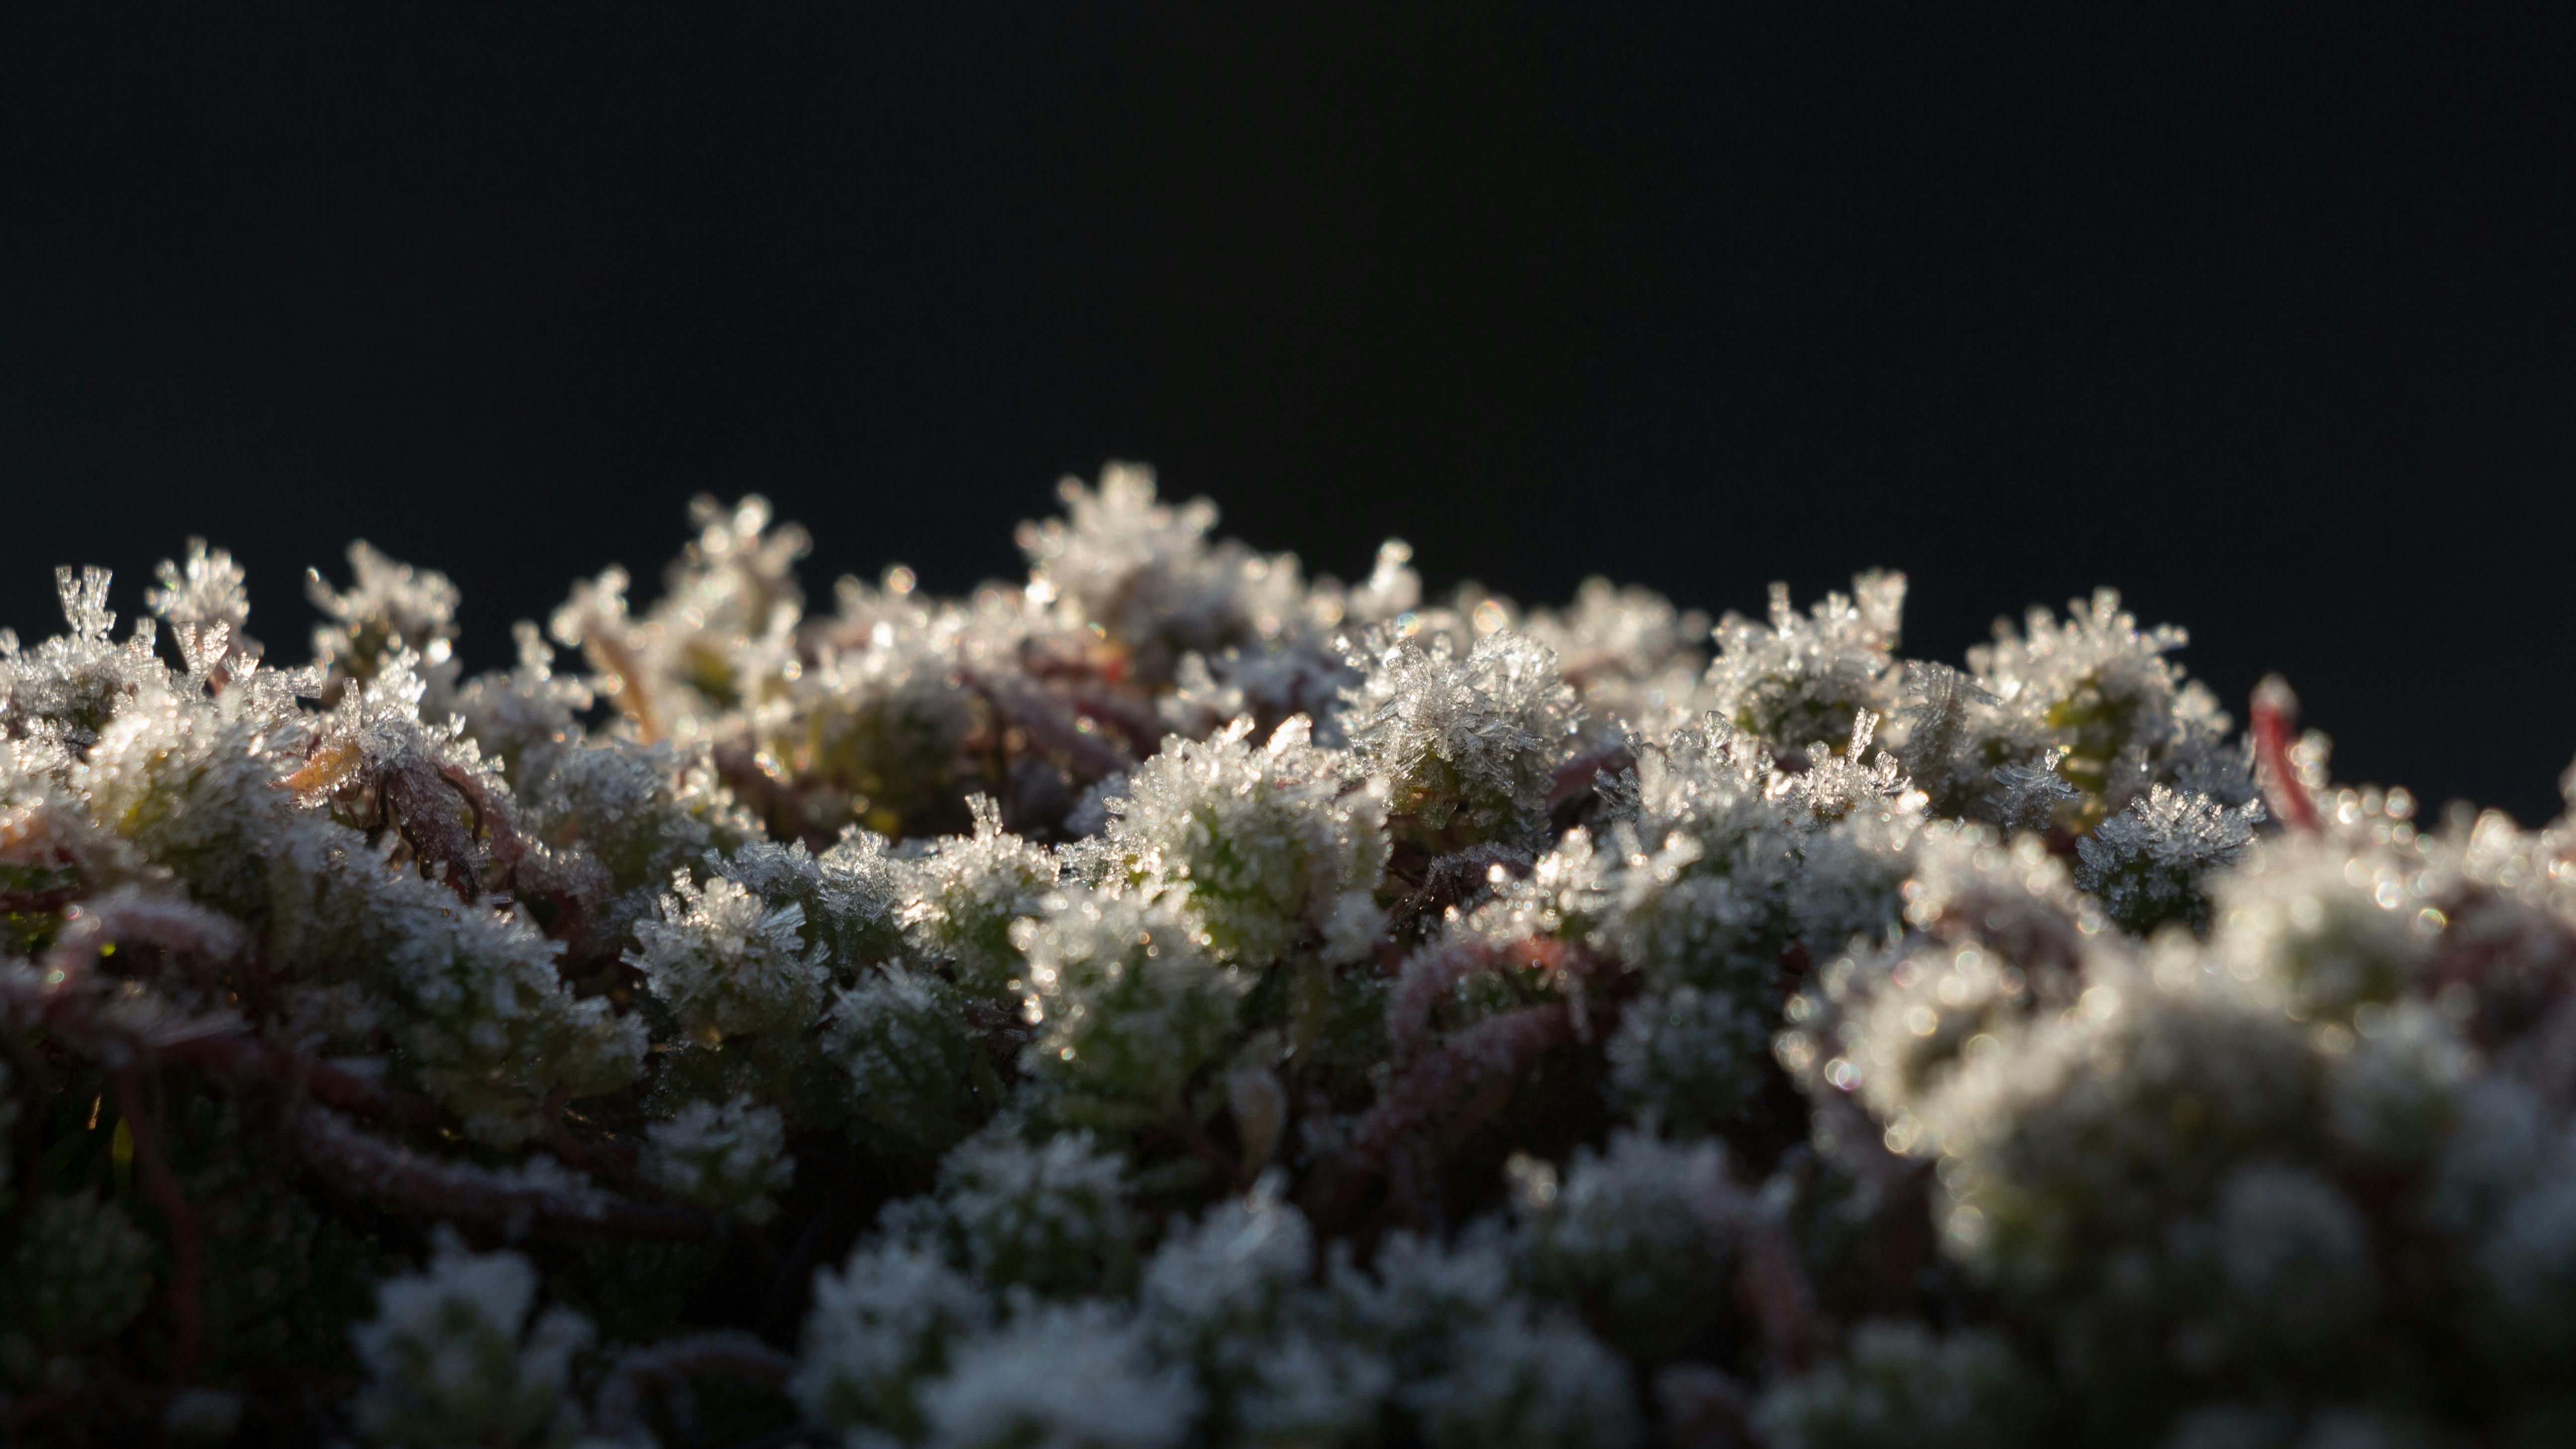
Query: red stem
[[1504, 1045], [437, 836], [242, 1059], [1430, 976], [722, 1352], [1776, 1293], [187, 1235], [1579, 774], [2276, 714], [397, 1176], [1051, 724]]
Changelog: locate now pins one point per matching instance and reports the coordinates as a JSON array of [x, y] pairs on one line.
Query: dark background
[[2267, 319]]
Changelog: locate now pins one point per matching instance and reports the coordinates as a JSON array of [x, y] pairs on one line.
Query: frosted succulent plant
[[389, 609], [1179, 1000], [1469, 746], [726, 1156], [2145, 864], [968, 893], [1634, 1234], [1803, 679], [726, 962], [454, 1356], [1690, 1058], [2103, 695], [880, 1328], [919, 1077], [1268, 847], [1061, 1376], [1049, 1216], [1129, 1003], [1476, 1361]]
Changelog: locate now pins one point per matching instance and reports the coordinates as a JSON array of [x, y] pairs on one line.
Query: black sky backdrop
[[2267, 318]]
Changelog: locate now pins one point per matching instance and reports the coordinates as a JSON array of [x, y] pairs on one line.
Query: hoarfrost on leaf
[[1469, 747], [1268, 847], [2146, 863], [727, 962]]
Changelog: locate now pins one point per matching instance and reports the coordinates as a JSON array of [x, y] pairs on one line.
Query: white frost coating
[[2100, 692], [2016, 1016], [1128, 1001], [966, 894], [1220, 1279], [1632, 657], [729, 1156], [1475, 1362], [727, 962], [1688, 1058], [207, 592], [1634, 1235], [1269, 847], [1469, 746], [879, 1328], [2146, 863], [1049, 1216], [453, 1356], [390, 609], [1802, 679], [1069, 1376]]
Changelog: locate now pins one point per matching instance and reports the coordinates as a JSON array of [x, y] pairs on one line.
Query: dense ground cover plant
[[1176, 1001]]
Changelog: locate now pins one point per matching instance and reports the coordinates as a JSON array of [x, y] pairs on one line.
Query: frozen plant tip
[[1180, 999]]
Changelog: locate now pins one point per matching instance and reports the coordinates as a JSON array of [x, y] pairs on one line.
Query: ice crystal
[[1469, 746], [2146, 863], [1217, 1285], [389, 608], [1050, 1216], [1629, 654], [2027, 797], [207, 593], [1142, 568], [517, 715], [2101, 693], [1478, 1364], [918, 1077], [726, 962], [71, 685], [1629, 1234], [1690, 1058], [1802, 679], [880, 719], [968, 892]]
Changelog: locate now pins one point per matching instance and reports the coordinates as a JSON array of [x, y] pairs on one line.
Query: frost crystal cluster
[[1176, 1000]]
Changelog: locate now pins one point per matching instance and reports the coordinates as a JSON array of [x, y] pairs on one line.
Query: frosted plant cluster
[[1178, 1000]]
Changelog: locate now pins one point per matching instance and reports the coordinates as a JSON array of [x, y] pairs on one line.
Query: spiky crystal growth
[[1181, 1001]]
